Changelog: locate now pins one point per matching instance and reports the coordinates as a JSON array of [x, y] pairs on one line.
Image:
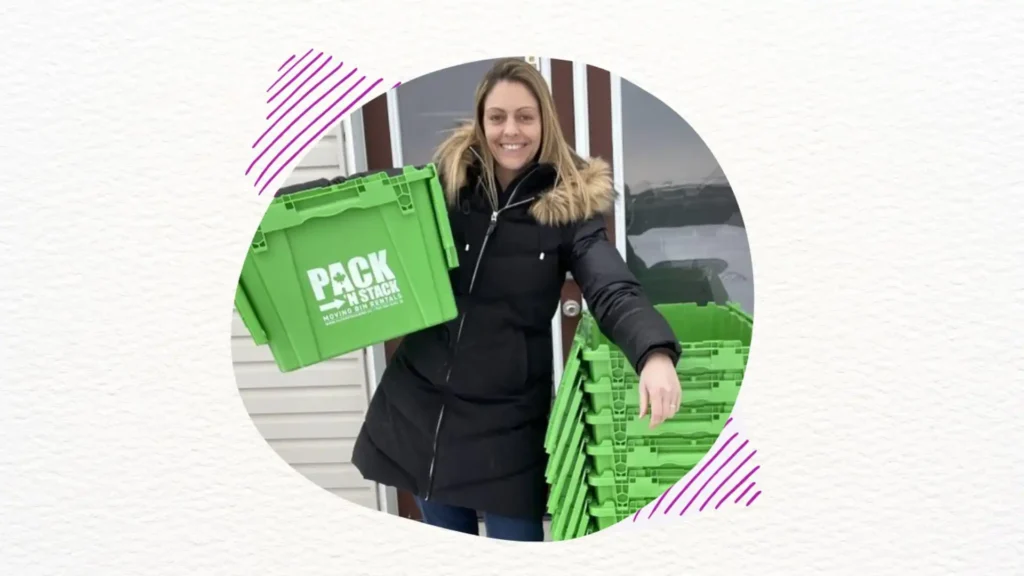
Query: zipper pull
[[493, 224]]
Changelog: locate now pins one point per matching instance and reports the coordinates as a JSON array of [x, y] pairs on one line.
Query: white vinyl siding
[[325, 159], [309, 417]]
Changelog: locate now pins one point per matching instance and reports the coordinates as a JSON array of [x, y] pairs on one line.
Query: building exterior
[[677, 224]]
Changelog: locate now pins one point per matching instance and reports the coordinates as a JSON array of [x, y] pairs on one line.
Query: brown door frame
[[377, 135], [599, 112], [563, 91]]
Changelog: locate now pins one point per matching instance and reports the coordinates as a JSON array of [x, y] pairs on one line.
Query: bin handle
[[245, 310], [374, 194], [451, 252]]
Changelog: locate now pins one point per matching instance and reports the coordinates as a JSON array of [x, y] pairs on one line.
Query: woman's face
[[512, 125]]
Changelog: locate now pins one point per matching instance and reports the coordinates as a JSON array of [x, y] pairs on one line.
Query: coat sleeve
[[614, 296]]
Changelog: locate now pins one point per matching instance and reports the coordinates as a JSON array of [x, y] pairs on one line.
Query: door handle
[[571, 308]]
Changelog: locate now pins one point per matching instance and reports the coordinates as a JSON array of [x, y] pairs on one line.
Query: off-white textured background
[[876, 152]]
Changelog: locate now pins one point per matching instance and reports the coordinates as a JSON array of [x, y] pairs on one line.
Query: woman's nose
[[511, 127]]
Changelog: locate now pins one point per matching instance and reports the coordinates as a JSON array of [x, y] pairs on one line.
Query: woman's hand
[[659, 389]]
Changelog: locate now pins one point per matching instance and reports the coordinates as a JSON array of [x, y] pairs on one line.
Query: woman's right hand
[[659, 389]]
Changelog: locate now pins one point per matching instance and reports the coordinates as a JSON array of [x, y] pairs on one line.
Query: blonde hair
[[554, 149]]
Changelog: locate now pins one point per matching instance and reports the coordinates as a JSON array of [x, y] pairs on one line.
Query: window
[[685, 239], [432, 104]]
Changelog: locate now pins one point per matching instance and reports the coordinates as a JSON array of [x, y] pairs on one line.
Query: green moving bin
[[604, 462], [349, 264]]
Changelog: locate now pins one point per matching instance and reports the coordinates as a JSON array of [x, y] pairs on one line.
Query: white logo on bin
[[360, 286]]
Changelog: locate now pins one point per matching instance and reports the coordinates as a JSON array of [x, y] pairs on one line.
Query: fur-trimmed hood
[[556, 206]]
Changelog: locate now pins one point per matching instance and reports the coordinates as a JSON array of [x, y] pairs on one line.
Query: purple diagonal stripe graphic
[[296, 103], [726, 481], [299, 87], [290, 68], [744, 493], [737, 486], [324, 129], [664, 494], [710, 478], [729, 484], [294, 78], [297, 118], [308, 126], [306, 85], [695, 476]]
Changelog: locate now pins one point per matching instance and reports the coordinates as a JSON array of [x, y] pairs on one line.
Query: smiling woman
[[453, 424], [515, 125], [512, 128], [461, 413]]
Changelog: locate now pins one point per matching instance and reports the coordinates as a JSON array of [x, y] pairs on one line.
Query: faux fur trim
[[557, 206]]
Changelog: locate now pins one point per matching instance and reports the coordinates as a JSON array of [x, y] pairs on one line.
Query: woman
[[461, 412]]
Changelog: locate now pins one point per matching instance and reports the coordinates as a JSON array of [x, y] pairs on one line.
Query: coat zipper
[[462, 321]]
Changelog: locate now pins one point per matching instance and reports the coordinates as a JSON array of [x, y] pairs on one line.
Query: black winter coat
[[462, 408]]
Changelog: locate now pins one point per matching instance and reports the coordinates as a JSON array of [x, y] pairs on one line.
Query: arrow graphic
[[332, 305]]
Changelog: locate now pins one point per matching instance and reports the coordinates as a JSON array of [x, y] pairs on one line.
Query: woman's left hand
[[659, 389]]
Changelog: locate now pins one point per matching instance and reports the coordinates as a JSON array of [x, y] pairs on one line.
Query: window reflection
[[432, 104], [685, 237]]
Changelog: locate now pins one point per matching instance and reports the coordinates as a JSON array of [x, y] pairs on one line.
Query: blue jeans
[[465, 520]]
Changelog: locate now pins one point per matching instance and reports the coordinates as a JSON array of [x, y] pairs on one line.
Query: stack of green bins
[[604, 462]]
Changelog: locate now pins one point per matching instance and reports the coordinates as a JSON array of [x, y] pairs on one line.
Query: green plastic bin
[[566, 475], [336, 268], [648, 453], [565, 408], [567, 500], [718, 387], [604, 462], [566, 430], [635, 484], [606, 360], [714, 339], [607, 514], [688, 421], [565, 463]]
